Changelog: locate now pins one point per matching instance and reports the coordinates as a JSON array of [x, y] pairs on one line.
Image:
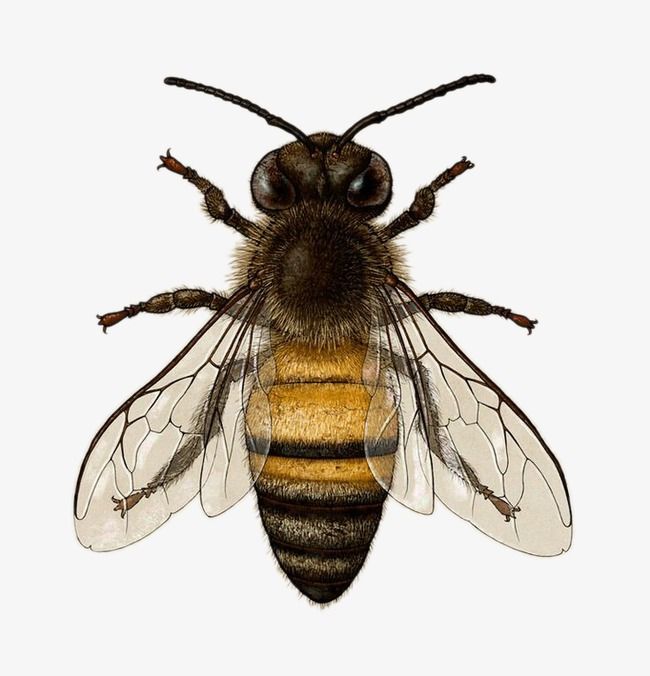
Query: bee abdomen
[[319, 500], [321, 515], [320, 548]]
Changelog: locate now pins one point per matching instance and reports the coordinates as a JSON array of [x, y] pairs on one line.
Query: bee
[[322, 380]]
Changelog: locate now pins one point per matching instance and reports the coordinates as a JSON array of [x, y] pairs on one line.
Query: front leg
[[181, 299], [425, 199], [449, 301], [215, 202]]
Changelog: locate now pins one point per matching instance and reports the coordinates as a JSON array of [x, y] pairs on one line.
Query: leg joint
[[423, 204]]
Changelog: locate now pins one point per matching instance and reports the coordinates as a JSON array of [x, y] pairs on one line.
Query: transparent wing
[[149, 459], [397, 419], [230, 465], [490, 464]]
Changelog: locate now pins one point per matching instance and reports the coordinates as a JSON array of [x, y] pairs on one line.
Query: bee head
[[325, 167], [353, 176]]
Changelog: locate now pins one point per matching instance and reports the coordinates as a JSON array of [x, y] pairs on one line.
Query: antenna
[[381, 115], [271, 119]]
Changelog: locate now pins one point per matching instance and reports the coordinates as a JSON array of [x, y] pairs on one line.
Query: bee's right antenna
[[381, 115], [271, 119]]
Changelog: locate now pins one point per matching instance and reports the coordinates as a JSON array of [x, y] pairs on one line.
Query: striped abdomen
[[319, 501]]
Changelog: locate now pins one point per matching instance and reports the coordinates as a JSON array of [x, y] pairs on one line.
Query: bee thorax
[[320, 272], [324, 273]]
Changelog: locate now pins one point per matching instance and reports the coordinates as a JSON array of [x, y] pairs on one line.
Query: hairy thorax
[[320, 269]]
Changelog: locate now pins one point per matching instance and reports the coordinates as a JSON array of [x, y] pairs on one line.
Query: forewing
[[481, 430], [157, 438]]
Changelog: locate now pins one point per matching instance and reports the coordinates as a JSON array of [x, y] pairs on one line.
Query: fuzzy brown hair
[[320, 267]]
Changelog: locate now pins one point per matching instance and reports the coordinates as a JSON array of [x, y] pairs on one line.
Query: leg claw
[[123, 505], [120, 506], [504, 507], [461, 166], [170, 162], [111, 319], [524, 322]]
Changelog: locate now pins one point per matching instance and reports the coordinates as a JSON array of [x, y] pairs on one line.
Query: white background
[[552, 222]]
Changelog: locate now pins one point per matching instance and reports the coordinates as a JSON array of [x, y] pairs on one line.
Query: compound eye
[[271, 188], [372, 187]]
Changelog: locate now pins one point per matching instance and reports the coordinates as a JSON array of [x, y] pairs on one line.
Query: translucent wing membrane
[[491, 466], [181, 434], [226, 474], [397, 418]]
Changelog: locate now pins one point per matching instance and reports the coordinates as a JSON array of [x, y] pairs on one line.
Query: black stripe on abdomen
[[345, 449], [320, 547]]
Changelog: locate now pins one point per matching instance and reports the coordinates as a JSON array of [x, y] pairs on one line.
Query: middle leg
[[181, 299], [449, 301]]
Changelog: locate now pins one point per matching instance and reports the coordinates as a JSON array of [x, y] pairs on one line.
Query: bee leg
[[425, 199], [502, 505], [123, 505], [449, 301], [455, 463], [181, 299], [215, 202], [180, 463]]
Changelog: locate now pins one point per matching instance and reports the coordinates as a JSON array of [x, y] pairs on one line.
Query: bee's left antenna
[[271, 119]]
